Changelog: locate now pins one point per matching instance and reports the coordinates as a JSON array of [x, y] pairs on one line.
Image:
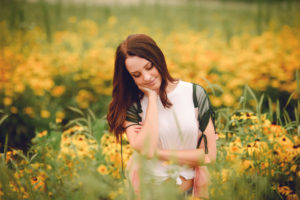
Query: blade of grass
[[92, 114], [252, 94], [278, 113], [297, 79], [245, 97], [290, 98], [286, 117], [270, 108], [89, 123], [6, 145], [76, 121], [76, 110], [3, 119]]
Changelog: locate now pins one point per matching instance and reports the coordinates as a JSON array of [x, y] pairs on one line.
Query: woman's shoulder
[[185, 84]]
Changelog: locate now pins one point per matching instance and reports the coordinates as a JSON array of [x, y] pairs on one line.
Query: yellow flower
[[8, 156], [246, 164], [50, 194], [294, 168], [14, 110], [285, 190], [224, 175], [45, 114], [292, 197], [84, 98], [228, 99], [25, 195], [19, 88], [112, 195], [7, 101], [102, 170], [112, 20], [116, 173], [29, 111], [216, 101], [59, 116], [43, 133], [58, 90]]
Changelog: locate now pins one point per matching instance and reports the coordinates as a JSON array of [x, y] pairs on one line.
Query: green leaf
[[297, 79], [252, 94], [270, 108], [76, 121], [286, 117], [76, 110], [3, 119], [92, 114], [290, 98], [278, 112]]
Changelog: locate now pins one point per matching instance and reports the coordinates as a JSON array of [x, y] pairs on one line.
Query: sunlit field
[[56, 67]]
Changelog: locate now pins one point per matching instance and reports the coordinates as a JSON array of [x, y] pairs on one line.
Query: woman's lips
[[151, 83]]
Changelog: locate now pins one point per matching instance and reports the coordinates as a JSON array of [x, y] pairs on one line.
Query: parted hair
[[125, 92]]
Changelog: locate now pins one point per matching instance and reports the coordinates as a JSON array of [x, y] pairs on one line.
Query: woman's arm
[[144, 138], [194, 157]]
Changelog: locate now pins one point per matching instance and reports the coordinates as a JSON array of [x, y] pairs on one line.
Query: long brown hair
[[125, 92]]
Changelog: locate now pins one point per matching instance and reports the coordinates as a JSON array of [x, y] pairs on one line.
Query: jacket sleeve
[[205, 111], [133, 112]]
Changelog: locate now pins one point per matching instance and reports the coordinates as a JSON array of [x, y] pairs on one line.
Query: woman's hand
[[147, 91]]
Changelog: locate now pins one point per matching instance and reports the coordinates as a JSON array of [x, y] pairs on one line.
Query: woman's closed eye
[[136, 75], [149, 67]]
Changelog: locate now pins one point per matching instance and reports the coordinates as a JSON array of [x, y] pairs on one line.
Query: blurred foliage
[[256, 160]]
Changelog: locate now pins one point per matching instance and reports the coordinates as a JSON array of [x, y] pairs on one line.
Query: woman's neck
[[171, 86]]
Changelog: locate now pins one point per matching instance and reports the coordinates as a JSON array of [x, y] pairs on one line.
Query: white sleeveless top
[[178, 130]]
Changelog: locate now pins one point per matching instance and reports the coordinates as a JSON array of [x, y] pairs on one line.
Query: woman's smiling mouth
[[151, 83]]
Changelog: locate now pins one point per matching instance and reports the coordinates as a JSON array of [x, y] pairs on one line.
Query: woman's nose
[[147, 76]]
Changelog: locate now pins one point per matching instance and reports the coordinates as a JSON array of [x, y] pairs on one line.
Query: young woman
[[163, 118]]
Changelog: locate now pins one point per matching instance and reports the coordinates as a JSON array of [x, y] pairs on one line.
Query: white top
[[178, 130]]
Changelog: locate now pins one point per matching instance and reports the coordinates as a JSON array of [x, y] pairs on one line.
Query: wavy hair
[[125, 92]]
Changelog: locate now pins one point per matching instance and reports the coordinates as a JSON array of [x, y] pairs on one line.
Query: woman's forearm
[[147, 139], [192, 158]]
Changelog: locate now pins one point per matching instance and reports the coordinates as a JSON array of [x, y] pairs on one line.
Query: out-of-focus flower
[[285, 190], [43, 133], [14, 110], [29, 111], [112, 20], [225, 175], [102, 170], [59, 116], [45, 114], [57, 91], [7, 101], [84, 98]]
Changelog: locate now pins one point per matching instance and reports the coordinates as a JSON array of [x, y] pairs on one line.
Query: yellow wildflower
[[102, 170], [57, 91], [7, 101], [285, 190], [14, 110], [45, 114]]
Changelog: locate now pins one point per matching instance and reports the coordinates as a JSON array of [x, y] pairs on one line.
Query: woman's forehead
[[135, 63]]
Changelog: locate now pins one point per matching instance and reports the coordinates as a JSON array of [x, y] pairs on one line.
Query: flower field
[[56, 82]]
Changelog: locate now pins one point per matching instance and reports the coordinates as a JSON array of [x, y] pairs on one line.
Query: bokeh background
[[56, 67]]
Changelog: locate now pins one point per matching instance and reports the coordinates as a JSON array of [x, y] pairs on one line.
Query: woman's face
[[143, 73]]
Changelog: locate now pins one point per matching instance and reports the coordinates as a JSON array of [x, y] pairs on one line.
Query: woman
[[163, 117]]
